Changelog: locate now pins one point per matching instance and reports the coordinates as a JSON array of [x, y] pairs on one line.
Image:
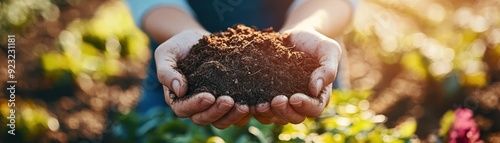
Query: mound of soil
[[249, 65]]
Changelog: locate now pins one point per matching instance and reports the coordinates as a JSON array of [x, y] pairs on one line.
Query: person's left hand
[[297, 107]]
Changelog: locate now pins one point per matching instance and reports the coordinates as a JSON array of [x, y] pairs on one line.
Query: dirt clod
[[249, 65]]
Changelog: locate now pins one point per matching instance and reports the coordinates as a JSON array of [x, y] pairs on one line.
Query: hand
[[202, 108], [283, 110]]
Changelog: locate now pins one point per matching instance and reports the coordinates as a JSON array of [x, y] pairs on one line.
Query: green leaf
[[446, 122], [407, 128], [173, 127], [363, 125]]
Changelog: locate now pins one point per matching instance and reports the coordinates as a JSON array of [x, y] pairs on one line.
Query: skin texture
[[203, 108], [309, 26], [299, 106]]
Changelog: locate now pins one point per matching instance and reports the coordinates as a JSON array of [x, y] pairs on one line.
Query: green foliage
[[161, 125], [348, 119], [98, 46], [31, 120], [446, 123], [17, 15], [451, 40], [454, 47], [158, 125]]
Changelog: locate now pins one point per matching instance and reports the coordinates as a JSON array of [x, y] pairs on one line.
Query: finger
[[171, 51], [237, 113], [264, 109], [185, 108], [264, 114], [166, 57], [212, 114], [280, 121], [252, 110], [262, 119], [284, 110], [329, 56], [310, 106], [315, 43], [326, 50], [242, 122]]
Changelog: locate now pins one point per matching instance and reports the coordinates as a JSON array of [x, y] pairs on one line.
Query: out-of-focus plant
[[451, 39], [161, 125], [446, 123], [86, 54], [348, 118], [31, 120], [459, 126], [451, 45], [95, 47], [17, 15], [450, 48]]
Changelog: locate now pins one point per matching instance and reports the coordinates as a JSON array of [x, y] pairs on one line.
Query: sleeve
[[139, 8], [296, 3], [355, 3]]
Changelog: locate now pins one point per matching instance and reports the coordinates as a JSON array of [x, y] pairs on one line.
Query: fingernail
[[281, 106], [297, 104], [176, 87], [224, 106], [263, 110], [319, 85], [242, 111], [205, 103]]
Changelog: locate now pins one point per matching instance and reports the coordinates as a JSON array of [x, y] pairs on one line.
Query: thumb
[[171, 51], [166, 65], [327, 51]]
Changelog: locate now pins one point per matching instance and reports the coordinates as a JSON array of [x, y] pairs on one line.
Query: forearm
[[165, 22], [329, 17]]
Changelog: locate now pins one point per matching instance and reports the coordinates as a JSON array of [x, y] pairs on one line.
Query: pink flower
[[464, 129]]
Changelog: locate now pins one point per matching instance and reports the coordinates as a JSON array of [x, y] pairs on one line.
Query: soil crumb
[[250, 65]]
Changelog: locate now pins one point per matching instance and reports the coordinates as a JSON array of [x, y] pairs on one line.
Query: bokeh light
[[413, 64]]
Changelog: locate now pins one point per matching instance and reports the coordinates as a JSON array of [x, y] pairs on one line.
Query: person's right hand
[[202, 108]]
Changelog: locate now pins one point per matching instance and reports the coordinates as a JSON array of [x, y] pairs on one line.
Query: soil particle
[[249, 65]]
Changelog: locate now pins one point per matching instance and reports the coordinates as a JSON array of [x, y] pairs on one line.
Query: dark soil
[[249, 65]]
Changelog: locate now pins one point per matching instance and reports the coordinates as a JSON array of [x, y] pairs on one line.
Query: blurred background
[[421, 71]]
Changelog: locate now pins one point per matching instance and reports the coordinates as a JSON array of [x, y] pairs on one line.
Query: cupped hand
[[294, 109], [202, 108]]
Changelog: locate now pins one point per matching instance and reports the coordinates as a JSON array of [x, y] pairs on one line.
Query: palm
[[203, 108], [299, 106]]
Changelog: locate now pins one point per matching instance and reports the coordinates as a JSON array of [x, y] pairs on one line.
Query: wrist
[[189, 35], [297, 27], [195, 31]]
